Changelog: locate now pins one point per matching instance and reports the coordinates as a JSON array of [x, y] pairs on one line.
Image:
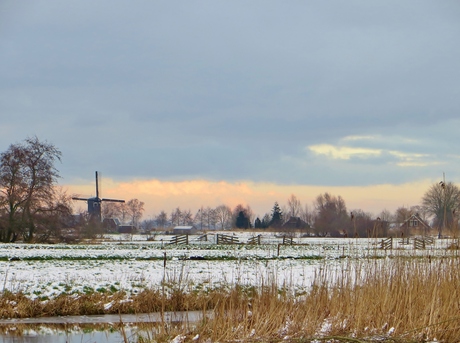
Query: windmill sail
[[94, 203]]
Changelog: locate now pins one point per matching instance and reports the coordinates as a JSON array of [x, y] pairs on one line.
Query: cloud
[[380, 139], [343, 152], [358, 138], [365, 147], [413, 159]]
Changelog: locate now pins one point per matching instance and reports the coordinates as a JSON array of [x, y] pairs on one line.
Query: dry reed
[[397, 300], [392, 299]]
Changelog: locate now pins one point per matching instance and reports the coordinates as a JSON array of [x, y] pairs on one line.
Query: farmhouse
[[295, 223], [414, 225], [185, 230]]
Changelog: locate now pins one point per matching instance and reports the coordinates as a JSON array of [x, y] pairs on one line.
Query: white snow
[[179, 339], [46, 271]]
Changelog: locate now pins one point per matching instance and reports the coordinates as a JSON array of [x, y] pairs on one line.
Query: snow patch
[[326, 327], [178, 339], [108, 306]]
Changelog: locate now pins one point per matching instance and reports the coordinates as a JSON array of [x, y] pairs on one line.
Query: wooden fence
[[288, 240], [419, 243], [202, 238], [227, 239], [180, 239], [386, 244], [428, 240], [404, 241], [254, 240]]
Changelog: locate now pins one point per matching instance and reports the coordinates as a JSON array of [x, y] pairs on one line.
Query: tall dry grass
[[402, 300], [406, 299]]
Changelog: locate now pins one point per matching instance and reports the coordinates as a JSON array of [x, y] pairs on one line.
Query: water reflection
[[90, 329], [62, 337]]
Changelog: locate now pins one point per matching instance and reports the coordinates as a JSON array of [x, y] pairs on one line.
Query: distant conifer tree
[[277, 216], [242, 222]]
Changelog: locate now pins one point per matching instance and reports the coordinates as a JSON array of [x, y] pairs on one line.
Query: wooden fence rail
[[226, 239], [386, 244], [428, 240], [254, 240], [288, 240], [404, 241], [419, 243], [202, 238], [180, 239]]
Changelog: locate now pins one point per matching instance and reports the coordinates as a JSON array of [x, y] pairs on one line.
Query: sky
[[201, 103]]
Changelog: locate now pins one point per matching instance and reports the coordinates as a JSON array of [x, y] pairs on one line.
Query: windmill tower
[[94, 203]]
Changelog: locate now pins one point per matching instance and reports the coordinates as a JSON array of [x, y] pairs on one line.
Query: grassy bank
[[397, 299], [400, 300]]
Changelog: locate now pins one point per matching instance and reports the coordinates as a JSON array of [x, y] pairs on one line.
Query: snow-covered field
[[45, 271]]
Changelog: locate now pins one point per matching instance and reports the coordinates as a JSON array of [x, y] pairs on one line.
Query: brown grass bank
[[398, 299], [394, 300]]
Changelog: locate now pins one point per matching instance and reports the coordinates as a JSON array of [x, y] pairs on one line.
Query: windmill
[[94, 203]]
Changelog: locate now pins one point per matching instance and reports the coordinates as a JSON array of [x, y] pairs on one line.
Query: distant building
[[111, 224], [127, 229], [295, 223], [414, 225], [185, 230]]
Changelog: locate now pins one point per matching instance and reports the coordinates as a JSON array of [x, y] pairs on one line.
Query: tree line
[[327, 216], [34, 208]]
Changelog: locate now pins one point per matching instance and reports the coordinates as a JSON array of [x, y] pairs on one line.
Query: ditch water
[[87, 329], [63, 337]]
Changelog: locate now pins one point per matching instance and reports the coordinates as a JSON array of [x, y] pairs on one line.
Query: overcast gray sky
[[312, 93]]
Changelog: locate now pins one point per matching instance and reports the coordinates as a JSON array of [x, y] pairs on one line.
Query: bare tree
[[402, 214], [420, 211], [27, 180], [113, 210], [293, 206], [207, 217], [362, 224], [307, 215], [147, 225], [161, 219], [187, 217], [332, 217], [223, 216], [135, 209], [123, 212], [176, 216], [199, 218], [53, 220], [442, 201], [385, 216]]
